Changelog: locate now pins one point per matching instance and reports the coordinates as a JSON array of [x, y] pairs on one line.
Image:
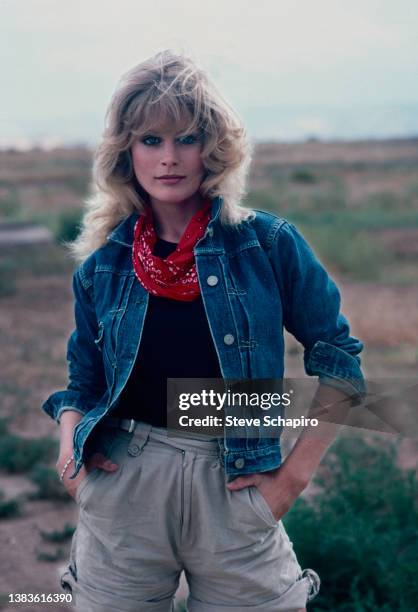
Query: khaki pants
[[167, 509]]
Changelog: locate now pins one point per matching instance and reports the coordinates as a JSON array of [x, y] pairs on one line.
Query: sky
[[292, 70]]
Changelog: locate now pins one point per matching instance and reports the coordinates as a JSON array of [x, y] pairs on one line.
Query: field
[[356, 203]]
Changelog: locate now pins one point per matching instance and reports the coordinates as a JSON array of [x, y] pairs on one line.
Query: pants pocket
[[82, 485], [260, 507], [105, 441]]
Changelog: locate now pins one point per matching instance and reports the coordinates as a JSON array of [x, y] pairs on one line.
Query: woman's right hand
[[68, 421], [70, 485], [98, 460]]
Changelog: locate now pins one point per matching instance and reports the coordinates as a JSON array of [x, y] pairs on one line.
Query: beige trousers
[[167, 509]]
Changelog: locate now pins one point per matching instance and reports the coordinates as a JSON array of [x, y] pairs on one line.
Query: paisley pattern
[[174, 277]]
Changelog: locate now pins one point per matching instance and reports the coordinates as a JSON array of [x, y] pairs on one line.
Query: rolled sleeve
[[311, 312], [336, 368]]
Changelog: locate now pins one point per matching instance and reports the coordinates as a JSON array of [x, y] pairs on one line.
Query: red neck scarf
[[174, 277]]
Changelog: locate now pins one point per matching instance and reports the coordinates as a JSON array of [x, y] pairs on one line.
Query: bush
[[9, 508], [304, 176], [59, 536], [48, 483], [360, 532], [68, 226], [33, 260], [7, 278], [10, 204], [19, 454], [3, 424], [352, 253]]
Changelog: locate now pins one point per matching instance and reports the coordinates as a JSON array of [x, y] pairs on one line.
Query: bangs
[[156, 112]]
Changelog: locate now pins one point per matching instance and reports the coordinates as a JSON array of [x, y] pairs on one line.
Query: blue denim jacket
[[254, 280]]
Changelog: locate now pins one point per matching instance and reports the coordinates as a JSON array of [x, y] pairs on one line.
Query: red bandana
[[174, 277]]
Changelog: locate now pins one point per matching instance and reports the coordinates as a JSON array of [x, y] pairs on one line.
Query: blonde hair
[[165, 87]]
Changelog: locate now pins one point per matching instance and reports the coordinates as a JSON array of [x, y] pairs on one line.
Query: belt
[[126, 424]]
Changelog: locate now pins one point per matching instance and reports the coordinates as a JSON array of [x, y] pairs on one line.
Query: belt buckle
[[131, 426]]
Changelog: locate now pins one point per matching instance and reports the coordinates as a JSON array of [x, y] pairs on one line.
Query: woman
[[178, 280]]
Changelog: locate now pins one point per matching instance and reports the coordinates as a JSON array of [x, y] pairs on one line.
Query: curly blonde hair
[[165, 87]]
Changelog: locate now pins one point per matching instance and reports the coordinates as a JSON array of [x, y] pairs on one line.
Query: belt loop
[[132, 426], [141, 435]]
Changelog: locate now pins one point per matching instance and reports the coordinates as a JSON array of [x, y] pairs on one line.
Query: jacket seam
[[85, 282], [273, 231]]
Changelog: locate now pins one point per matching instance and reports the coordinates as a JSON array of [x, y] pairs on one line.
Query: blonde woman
[[176, 279]]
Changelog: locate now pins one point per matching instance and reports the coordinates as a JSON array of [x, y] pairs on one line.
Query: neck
[[170, 220]]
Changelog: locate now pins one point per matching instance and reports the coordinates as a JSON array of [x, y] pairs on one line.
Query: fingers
[[71, 486], [241, 482], [98, 460]]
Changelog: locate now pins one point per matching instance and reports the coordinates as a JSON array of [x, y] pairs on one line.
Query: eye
[[189, 139], [150, 140]]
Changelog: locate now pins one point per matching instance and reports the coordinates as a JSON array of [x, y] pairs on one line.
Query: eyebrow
[[158, 132]]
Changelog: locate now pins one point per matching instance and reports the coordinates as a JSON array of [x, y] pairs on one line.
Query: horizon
[[68, 146], [311, 71]]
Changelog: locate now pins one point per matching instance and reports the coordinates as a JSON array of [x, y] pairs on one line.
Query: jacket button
[[134, 450], [209, 231], [239, 463], [229, 339], [212, 280]]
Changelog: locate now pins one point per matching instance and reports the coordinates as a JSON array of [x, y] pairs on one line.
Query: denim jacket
[[254, 280]]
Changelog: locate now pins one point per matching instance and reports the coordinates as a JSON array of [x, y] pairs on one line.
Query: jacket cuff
[[238, 463], [64, 409], [60, 401], [336, 368]]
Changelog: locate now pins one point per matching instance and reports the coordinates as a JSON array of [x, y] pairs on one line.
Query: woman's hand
[[69, 420], [279, 489], [98, 460]]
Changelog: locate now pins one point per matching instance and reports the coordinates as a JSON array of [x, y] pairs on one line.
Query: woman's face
[[164, 153]]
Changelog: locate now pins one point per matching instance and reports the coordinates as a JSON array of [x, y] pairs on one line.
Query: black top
[[176, 343]]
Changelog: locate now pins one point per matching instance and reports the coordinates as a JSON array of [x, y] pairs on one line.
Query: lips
[[170, 176], [170, 180]]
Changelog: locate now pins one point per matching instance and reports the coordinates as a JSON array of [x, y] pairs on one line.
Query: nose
[[169, 154]]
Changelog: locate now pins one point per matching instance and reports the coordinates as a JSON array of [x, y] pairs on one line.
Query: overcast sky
[[329, 68]]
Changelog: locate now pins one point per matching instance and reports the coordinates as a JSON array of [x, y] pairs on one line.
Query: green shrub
[[59, 536], [352, 253], [9, 508], [10, 204], [20, 454], [360, 532], [48, 483], [78, 183], [262, 200], [7, 278], [3, 422], [68, 226], [38, 260], [304, 176]]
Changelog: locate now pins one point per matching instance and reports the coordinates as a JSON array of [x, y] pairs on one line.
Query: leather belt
[[126, 424]]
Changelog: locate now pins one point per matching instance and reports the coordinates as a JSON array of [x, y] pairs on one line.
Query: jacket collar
[[123, 233]]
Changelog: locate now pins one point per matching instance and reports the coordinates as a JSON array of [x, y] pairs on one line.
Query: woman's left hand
[[277, 487]]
